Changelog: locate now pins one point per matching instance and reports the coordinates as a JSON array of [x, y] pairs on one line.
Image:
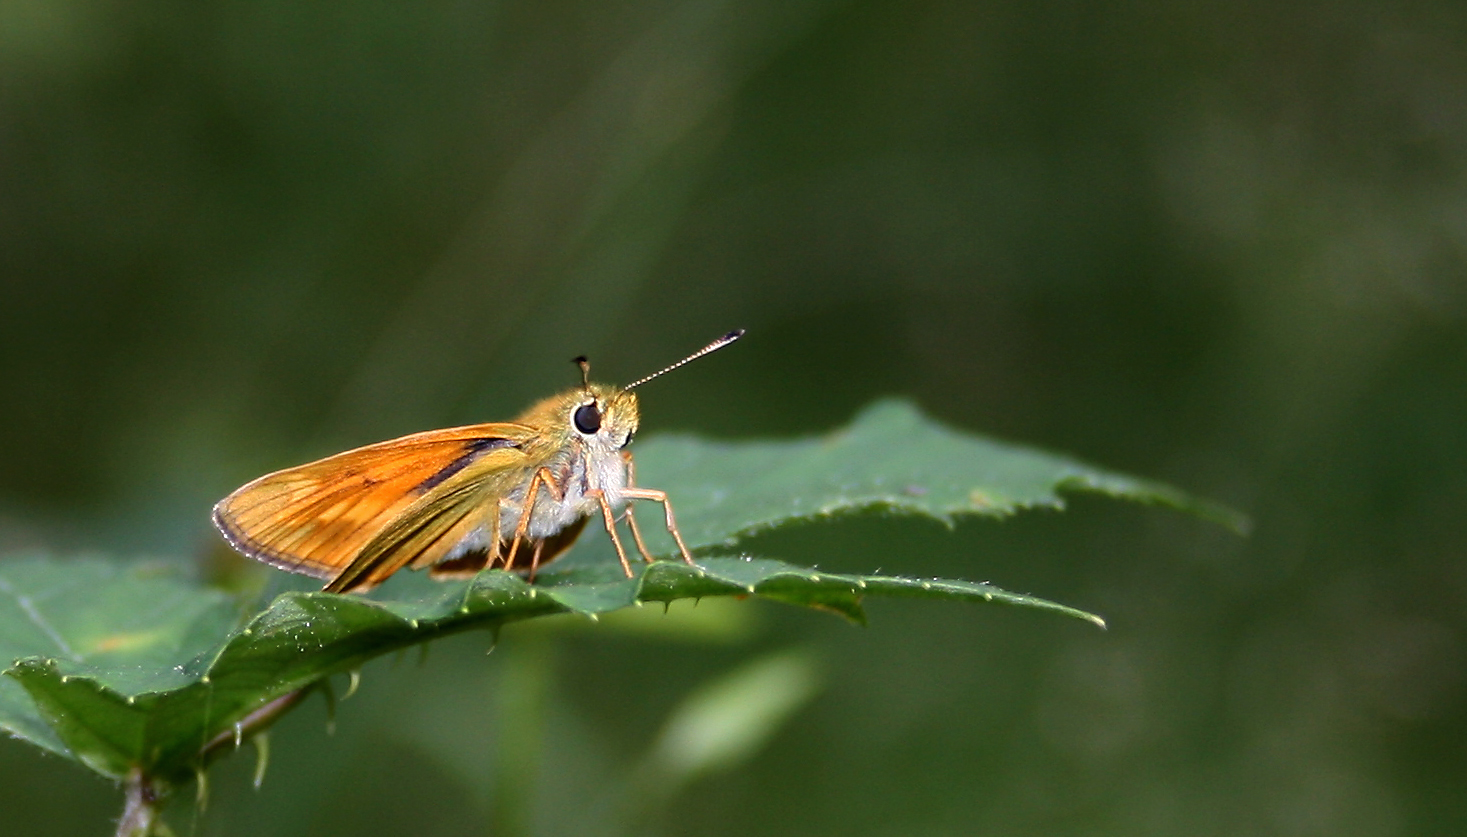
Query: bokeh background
[[1220, 244]]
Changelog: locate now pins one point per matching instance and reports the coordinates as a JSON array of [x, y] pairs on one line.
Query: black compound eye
[[587, 418]]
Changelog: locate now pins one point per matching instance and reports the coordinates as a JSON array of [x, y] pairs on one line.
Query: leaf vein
[[29, 608]]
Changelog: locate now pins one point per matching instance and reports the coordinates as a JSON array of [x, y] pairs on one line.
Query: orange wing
[[416, 496]]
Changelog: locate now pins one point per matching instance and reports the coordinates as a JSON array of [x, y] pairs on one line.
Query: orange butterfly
[[456, 500]]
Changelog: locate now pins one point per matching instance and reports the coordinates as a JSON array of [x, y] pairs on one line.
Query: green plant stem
[[524, 687], [140, 812]]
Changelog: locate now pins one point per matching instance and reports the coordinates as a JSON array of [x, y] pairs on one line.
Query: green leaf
[[890, 458], [139, 623], [138, 671], [165, 709]]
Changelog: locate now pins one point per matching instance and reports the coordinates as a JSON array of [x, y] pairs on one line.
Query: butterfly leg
[[661, 497], [610, 519], [542, 477], [494, 541], [535, 560], [626, 456]]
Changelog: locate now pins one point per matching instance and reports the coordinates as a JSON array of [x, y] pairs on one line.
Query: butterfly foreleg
[[661, 497], [626, 456]]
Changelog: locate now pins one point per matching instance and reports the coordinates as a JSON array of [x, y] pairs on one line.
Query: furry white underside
[[607, 471]]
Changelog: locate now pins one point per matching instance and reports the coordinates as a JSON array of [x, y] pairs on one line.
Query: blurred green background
[[1221, 244]]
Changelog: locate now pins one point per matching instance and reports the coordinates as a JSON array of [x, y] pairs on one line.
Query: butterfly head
[[604, 416]]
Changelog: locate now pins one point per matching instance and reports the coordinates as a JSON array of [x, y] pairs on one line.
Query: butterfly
[[508, 494]]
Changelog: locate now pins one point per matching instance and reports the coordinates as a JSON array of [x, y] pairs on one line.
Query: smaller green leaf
[[727, 720]]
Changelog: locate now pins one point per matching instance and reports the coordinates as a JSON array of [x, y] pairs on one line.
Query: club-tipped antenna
[[711, 347]]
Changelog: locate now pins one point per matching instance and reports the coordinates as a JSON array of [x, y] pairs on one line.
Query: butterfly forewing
[[317, 518], [431, 527]]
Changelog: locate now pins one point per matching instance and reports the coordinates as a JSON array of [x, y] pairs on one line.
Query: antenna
[[585, 371], [711, 347]]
